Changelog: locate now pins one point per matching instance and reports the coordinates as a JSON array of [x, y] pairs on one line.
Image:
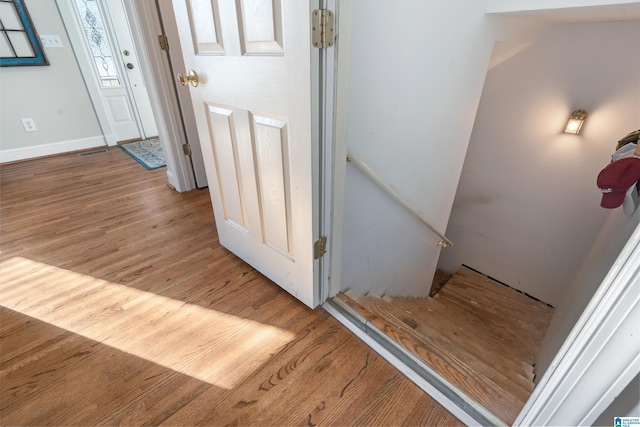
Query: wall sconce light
[[575, 122]]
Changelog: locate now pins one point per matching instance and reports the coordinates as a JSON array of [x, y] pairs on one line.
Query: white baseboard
[[15, 154]]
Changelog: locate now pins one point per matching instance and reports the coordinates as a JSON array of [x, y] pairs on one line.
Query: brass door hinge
[[186, 149], [319, 247], [322, 22], [164, 42]]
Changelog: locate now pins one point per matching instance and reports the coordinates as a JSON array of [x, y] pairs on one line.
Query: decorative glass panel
[[19, 44], [98, 41]]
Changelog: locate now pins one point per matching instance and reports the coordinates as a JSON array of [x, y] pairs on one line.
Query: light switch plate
[[51, 40]]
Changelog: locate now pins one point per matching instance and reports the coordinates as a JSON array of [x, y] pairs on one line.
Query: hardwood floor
[[480, 336], [119, 307]]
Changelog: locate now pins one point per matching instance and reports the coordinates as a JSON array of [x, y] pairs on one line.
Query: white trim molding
[[601, 355], [337, 99], [23, 153]]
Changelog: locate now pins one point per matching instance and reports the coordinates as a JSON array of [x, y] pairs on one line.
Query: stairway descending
[[479, 335]]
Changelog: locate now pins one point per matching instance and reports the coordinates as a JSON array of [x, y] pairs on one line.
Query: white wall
[[417, 70], [54, 96], [527, 207], [387, 248], [603, 252]]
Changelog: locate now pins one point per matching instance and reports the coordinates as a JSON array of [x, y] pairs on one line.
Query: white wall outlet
[[29, 125], [51, 40]]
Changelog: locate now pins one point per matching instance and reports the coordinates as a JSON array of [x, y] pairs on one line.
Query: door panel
[[226, 159], [260, 26], [274, 192], [121, 111], [205, 25], [253, 113]]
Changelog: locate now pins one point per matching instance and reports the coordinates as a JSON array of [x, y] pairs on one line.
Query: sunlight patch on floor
[[211, 346]]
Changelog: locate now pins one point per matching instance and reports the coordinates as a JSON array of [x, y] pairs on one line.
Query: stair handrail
[[444, 241]]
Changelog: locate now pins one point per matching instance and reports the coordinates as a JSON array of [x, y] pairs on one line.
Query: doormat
[[147, 152]]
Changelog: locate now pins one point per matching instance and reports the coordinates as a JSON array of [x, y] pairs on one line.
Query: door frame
[[145, 27], [335, 66], [175, 62]]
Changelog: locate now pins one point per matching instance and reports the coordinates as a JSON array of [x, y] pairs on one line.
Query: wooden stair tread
[[524, 339], [445, 339], [502, 305], [500, 326], [488, 394], [468, 331], [480, 335], [476, 280], [432, 316], [498, 335], [466, 316]]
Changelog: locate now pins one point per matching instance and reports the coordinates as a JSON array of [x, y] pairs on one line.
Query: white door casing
[[185, 109], [125, 50], [253, 112]]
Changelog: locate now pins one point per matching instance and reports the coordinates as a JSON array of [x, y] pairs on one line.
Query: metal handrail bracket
[[444, 241]]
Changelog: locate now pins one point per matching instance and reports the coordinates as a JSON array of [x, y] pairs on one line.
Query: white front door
[[92, 36], [131, 70], [253, 113]]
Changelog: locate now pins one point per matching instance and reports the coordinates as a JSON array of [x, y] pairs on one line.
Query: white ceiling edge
[[504, 50], [546, 12]]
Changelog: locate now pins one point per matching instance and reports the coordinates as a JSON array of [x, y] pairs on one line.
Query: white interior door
[[253, 113], [126, 54]]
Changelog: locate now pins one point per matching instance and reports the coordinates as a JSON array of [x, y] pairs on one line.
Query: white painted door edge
[[325, 100], [337, 70], [600, 356]]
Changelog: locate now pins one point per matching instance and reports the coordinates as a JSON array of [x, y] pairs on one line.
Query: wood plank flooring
[[479, 335], [119, 307]]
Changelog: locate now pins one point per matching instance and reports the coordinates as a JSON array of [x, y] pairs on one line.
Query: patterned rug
[[148, 153]]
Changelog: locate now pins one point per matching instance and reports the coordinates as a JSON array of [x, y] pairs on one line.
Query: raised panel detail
[[119, 108], [260, 27], [204, 16], [271, 153], [225, 152]]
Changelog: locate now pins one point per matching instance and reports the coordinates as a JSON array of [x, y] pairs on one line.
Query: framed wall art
[[19, 42]]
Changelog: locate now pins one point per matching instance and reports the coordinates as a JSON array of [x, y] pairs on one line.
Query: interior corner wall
[[527, 209], [55, 97], [417, 71], [605, 249]]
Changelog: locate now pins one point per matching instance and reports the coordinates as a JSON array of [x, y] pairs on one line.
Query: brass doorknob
[[185, 79]]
